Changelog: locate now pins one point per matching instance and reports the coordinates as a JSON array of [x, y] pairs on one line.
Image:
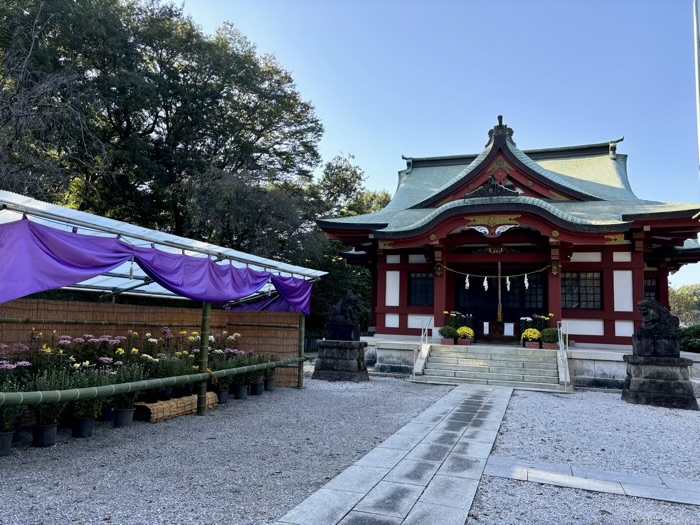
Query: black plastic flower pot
[[257, 389], [150, 396], [6, 443], [178, 392], [123, 417], [44, 435], [107, 413], [166, 394], [239, 391], [15, 434], [83, 427], [223, 396], [187, 390], [270, 384]]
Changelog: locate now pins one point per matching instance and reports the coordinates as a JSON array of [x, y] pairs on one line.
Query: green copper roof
[[587, 171]]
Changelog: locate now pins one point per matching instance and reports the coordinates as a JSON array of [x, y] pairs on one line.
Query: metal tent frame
[[129, 278]]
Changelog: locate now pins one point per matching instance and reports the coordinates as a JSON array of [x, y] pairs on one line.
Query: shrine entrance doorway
[[520, 300]]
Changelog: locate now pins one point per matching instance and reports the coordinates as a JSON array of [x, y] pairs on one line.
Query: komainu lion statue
[[656, 319], [346, 311]]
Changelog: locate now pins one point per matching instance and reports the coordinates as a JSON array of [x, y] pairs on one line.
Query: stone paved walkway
[[428, 472]]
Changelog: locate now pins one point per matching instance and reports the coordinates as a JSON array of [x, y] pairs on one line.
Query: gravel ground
[[508, 502], [245, 463], [591, 429], [599, 430]]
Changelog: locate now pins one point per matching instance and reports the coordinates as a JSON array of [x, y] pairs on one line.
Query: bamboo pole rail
[[76, 394]]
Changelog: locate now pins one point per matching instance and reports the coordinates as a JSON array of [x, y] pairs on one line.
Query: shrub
[[464, 332], [531, 334], [448, 332], [690, 339], [550, 335]]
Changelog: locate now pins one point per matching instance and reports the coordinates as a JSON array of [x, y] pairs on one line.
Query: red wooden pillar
[[554, 285], [662, 284], [375, 288], [554, 293], [439, 291], [637, 283]]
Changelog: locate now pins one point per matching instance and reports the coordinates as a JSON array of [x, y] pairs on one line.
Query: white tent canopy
[[129, 278]]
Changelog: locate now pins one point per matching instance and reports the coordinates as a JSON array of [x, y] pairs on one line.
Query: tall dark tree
[[175, 104]]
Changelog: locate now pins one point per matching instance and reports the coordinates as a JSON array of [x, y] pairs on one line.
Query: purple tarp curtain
[[268, 305], [36, 258]]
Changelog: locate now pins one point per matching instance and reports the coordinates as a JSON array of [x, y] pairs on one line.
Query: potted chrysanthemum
[[466, 335], [449, 335], [9, 415], [531, 338], [48, 414]]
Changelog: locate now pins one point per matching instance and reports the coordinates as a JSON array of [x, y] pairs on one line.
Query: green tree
[[175, 105], [685, 303]]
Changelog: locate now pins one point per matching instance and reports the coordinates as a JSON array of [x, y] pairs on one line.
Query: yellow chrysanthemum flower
[[134, 350]]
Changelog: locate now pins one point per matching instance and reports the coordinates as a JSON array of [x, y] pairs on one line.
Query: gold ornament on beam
[[615, 238], [500, 164], [492, 226]]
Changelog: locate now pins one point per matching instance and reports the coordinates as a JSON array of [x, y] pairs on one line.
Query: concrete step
[[506, 363], [542, 387], [526, 370], [545, 355], [492, 350], [488, 376]]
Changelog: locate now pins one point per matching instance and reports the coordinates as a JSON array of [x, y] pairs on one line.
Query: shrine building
[[506, 234]]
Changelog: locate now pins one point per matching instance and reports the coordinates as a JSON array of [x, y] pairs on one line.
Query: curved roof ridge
[[466, 171], [539, 203]]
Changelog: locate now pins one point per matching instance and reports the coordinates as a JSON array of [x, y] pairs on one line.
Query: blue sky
[[422, 78]]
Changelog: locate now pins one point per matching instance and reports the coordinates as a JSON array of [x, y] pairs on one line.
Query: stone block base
[[341, 361], [659, 381]]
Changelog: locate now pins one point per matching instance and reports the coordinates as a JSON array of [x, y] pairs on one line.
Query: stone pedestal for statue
[[656, 374], [341, 361]]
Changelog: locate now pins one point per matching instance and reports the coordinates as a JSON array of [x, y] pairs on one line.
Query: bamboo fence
[[262, 332]]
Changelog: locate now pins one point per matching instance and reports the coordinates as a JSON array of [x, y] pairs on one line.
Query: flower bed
[[63, 363]]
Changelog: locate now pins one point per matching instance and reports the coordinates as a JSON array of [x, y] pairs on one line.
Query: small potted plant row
[[241, 385], [456, 336]]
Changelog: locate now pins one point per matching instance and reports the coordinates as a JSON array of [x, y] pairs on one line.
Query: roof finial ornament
[[500, 133], [613, 147]]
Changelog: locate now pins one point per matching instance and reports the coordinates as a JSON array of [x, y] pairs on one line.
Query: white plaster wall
[[624, 299], [393, 259], [418, 320], [585, 326], [586, 257], [624, 328], [416, 258], [622, 257], [393, 287], [391, 320]]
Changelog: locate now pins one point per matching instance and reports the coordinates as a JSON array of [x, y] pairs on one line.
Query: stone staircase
[[493, 365]]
